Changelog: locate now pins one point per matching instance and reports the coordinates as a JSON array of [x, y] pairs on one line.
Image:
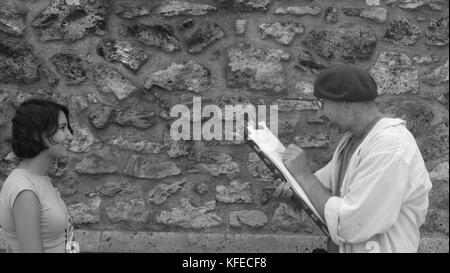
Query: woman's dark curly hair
[[34, 118]]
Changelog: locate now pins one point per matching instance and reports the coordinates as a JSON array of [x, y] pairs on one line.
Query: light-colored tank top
[[54, 216]]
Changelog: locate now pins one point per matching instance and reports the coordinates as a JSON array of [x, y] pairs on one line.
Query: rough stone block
[[85, 213], [418, 115], [402, 32], [299, 10], [307, 63], [255, 68], [99, 118], [83, 139], [134, 117], [70, 67], [395, 73], [12, 18], [235, 193], [283, 32], [129, 11], [347, 42], [190, 76], [437, 32], [244, 5], [122, 51], [286, 218], [376, 14], [174, 8], [205, 35], [144, 167], [17, 61], [113, 187], [109, 80], [331, 15], [161, 36], [312, 141], [188, 216], [257, 168], [96, 164], [438, 75], [241, 26], [161, 192], [62, 20], [133, 211]]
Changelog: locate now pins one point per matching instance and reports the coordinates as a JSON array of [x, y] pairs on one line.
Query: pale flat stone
[[250, 218], [305, 90], [236, 192], [188, 216], [283, 32], [109, 80], [189, 76], [175, 8], [144, 167], [437, 75], [299, 10], [241, 26], [373, 2], [162, 191], [376, 14]]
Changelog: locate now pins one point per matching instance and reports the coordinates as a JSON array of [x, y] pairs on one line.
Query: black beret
[[345, 83]]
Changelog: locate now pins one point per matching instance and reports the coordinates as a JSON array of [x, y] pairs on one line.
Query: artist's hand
[[283, 190], [296, 161]]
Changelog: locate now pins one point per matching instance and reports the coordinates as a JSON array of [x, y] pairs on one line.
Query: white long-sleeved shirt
[[383, 199]]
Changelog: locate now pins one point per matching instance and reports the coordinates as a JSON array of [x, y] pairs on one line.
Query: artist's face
[[59, 142], [337, 113]]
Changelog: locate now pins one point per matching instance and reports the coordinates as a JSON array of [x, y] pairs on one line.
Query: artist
[[373, 194]]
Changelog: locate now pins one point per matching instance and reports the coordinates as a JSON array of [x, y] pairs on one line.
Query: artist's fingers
[[276, 183], [279, 190], [286, 188], [293, 147], [251, 115], [286, 155], [290, 193]]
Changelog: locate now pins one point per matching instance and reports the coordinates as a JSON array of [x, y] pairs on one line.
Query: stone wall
[[121, 65]]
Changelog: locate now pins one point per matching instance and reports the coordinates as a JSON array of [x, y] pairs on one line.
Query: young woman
[[33, 216]]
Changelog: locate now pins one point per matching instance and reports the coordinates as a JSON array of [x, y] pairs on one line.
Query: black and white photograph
[[224, 131]]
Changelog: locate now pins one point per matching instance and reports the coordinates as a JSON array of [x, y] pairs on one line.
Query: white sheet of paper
[[269, 144]]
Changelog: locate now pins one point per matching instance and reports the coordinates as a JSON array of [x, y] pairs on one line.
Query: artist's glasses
[[318, 103]]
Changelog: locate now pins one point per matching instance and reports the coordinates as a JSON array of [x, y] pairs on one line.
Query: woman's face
[[58, 147]]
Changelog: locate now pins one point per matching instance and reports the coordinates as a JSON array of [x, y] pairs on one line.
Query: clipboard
[[269, 149]]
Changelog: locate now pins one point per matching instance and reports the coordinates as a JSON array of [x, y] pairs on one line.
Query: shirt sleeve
[[17, 186], [373, 201], [324, 175]]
